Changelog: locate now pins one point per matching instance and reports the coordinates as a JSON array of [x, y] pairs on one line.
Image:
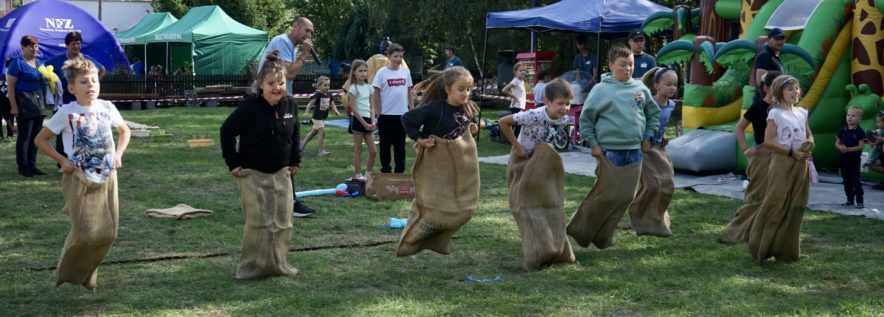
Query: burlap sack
[[267, 201], [738, 229], [537, 198], [94, 214], [777, 224], [596, 218], [446, 185], [648, 212]]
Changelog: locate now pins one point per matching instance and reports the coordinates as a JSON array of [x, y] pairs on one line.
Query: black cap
[[449, 47], [776, 33], [636, 33]]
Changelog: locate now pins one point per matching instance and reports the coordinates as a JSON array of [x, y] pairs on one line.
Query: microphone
[[315, 56]]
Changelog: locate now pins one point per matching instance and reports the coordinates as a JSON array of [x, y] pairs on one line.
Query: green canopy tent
[[207, 40], [148, 25]]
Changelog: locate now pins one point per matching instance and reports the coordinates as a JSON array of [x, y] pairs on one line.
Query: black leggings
[[391, 133], [25, 148]]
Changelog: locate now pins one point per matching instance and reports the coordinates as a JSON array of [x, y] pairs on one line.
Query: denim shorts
[[621, 158]]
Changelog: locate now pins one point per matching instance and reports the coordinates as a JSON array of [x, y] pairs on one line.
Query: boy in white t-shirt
[[390, 99], [90, 181]]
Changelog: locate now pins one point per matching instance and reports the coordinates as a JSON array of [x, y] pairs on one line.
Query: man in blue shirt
[[294, 60], [643, 62], [585, 62], [452, 59]]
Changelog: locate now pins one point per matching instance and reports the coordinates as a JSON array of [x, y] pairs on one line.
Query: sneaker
[[301, 210], [860, 205], [324, 153], [847, 204]]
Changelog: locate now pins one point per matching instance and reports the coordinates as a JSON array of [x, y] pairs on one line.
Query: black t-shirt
[[757, 115], [321, 104], [850, 138], [435, 118], [768, 61]]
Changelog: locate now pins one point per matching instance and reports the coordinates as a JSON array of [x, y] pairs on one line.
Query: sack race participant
[[89, 182], [446, 170], [618, 120], [759, 161], [535, 178], [776, 229], [268, 131], [648, 213]]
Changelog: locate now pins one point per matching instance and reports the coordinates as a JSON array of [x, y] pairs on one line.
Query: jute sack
[[446, 185], [596, 218], [267, 201], [94, 214], [777, 224], [537, 197], [648, 212], [738, 229]]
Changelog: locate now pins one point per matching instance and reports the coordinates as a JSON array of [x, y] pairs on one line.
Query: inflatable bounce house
[[834, 47]]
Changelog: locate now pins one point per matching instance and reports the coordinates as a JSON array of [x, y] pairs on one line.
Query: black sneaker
[[302, 211], [847, 204], [37, 171]]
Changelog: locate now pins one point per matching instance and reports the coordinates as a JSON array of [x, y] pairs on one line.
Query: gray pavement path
[[827, 195]]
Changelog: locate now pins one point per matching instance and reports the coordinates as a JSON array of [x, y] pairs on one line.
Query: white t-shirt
[[519, 93], [362, 95], [537, 127], [538, 93], [87, 136], [394, 86], [791, 126], [287, 52]]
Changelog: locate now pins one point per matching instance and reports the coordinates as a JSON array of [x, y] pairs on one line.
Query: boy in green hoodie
[[618, 120]]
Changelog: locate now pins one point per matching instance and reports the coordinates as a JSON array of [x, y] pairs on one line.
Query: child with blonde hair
[[362, 122], [89, 182], [776, 228], [321, 101], [446, 169], [850, 142]]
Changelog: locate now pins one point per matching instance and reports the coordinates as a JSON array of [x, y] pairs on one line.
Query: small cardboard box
[[389, 186]]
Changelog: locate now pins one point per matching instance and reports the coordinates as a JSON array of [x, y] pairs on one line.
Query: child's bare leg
[[357, 153], [321, 140], [372, 152], [308, 138]]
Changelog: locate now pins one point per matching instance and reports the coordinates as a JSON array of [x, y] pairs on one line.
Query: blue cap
[[636, 34], [776, 33]]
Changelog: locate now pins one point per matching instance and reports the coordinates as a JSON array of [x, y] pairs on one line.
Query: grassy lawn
[[347, 261]]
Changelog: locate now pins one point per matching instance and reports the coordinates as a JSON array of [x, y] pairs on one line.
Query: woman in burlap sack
[[776, 227], [89, 181], [535, 177], [446, 170], [619, 118], [648, 212], [268, 130], [759, 161]]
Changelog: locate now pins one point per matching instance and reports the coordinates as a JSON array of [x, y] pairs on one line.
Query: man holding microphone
[[294, 59]]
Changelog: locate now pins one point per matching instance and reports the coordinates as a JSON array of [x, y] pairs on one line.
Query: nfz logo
[[59, 23]]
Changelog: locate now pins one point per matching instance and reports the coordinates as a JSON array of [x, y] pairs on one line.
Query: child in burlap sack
[[535, 177], [759, 161], [648, 212], [268, 131], [89, 182], [776, 227], [618, 120], [446, 170]]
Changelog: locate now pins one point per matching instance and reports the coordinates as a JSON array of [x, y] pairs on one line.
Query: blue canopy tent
[[50, 21]]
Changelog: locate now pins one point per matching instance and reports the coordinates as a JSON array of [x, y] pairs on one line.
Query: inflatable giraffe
[[867, 62]]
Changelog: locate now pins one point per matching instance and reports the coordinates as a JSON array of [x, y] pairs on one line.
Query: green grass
[[689, 273]]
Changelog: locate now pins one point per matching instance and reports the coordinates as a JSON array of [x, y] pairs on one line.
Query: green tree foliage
[[268, 15]]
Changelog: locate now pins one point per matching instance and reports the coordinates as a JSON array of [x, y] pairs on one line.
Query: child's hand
[[426, 143], [519, 151], [596, 152], [665, 141], [646, 146], [841, 148], [474, 128], [118, 162], [337, 113], [68, 167], [236, 172], [294, 170], [799, 155], [749, 152]]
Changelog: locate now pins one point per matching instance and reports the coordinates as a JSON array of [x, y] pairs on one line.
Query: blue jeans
[[621, 158]]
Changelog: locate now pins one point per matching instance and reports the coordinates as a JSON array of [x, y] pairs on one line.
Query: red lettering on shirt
[[393, 82]]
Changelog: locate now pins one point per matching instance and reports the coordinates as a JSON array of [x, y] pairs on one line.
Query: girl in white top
[[776, 227], [516, 88], [362, 123]]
